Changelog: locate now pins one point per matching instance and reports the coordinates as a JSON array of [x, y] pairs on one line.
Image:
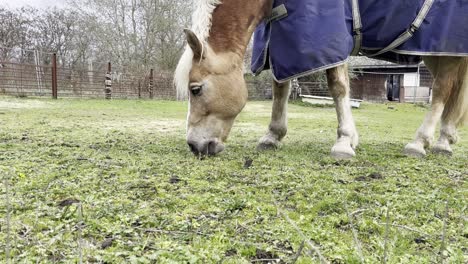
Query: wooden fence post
[[139, 89], [150, 87], [54, 76], [108, 88]]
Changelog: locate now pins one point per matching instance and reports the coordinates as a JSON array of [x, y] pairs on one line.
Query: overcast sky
[[35, 3]]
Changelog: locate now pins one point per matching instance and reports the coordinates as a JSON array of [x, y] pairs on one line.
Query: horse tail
[[456, 108]]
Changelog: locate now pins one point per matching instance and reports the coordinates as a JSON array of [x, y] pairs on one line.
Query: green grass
[[113, 182]]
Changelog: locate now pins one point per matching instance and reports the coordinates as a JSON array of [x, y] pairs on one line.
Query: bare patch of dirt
[[248, 163], [144, 125], [231, 252], [107, 243], [18, 104], [263, 256], [68, 202], [370, 177]]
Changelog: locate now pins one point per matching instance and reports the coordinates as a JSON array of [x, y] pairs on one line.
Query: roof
[[365, 62]]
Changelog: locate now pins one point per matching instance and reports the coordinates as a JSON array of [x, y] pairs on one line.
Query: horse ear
[[195, 44]]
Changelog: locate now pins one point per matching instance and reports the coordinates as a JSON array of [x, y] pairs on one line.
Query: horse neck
[[233, 23]]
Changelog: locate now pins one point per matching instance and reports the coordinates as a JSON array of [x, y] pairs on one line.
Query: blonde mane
[[201, 26]]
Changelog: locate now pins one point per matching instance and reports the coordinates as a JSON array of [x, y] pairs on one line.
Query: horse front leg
[[279, 122], [347, 138]]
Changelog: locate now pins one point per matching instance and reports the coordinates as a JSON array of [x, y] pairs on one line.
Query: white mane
[[201, 26]]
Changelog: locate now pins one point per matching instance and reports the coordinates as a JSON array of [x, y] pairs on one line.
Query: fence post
[[108, 88], [402, 94], [150, 87], [54, 76], [139, 89], [416, 86]]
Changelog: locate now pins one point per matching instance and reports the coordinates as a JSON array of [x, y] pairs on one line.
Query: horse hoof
[[442, 149], [267, 143], [414, 150], [266, 146], [341, 153]]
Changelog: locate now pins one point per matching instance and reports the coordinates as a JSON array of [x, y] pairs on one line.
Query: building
[[381, 81]]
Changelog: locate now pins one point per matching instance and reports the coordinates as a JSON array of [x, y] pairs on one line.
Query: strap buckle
[[413, 28], [278, 13]]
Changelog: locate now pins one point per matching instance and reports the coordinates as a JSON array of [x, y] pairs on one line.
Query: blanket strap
[[278, 13], [357, 26], [408, 33]]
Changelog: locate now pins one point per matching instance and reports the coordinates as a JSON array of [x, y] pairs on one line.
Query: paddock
[[100, 181]]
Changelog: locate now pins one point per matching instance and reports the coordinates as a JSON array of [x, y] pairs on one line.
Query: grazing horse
[[210, 73]]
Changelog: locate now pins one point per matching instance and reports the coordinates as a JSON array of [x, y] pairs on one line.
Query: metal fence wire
[[20, 79], [30, 73]]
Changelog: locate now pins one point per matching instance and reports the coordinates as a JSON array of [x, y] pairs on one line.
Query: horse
[[210, 73]]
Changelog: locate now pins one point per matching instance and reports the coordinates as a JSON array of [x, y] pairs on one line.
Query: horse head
[[210, 71]]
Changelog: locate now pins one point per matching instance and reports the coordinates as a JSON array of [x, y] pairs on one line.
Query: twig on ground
[[353, 229], [80, 222], [155, 230], [444, 232], [266, 260], [355, 236], [8, 226], [358, 212], [299, 253], [313, 248], [176, 232], [408, 228], [387, 230]]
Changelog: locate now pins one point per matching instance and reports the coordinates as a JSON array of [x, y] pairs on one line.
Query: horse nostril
[[192, 147], [211, 148]]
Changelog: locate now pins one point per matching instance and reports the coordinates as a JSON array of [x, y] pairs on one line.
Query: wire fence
[[26, 73], [31, 73], [25, 79], [36, 80]]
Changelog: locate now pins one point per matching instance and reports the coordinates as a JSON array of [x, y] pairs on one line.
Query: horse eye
[[196, 90]]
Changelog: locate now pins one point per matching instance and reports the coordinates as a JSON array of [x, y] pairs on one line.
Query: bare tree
[[14, 33], [55, 30], [138, 33], [135, 34]]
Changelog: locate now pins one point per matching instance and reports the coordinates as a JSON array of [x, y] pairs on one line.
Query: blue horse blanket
[[318, 34]]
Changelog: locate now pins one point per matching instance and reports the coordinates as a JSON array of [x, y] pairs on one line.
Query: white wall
[[411, 79], [411, 82]]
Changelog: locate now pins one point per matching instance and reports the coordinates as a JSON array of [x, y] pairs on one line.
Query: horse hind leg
[[279, 122], [448, 136], [455, 112], [444, 70], [347, 136]]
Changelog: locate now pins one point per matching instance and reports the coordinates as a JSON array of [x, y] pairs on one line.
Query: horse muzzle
[[205, 148]]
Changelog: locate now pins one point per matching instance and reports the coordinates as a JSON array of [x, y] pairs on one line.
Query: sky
[[35, 3]]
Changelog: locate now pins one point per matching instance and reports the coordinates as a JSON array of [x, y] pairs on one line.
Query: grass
[[93, 181]]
